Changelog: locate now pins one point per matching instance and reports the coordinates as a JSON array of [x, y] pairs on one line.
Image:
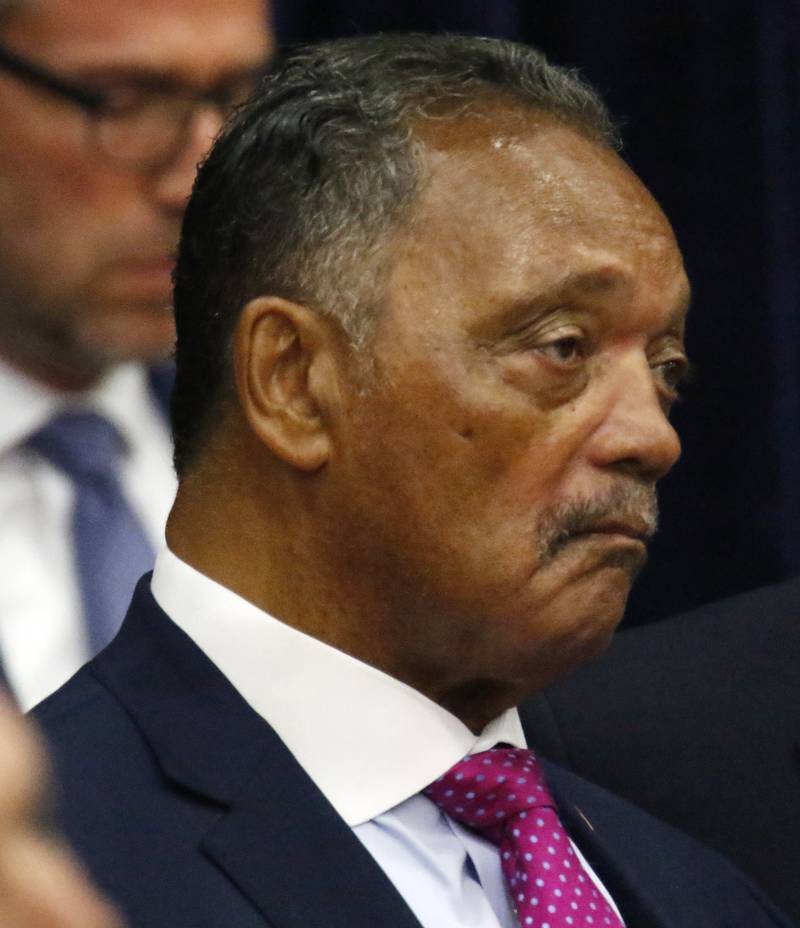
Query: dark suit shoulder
[[696, 719], [83, 721], [629, 847], [719, 670], [137, 832], [99, 756], [81, 693], [747, 617]]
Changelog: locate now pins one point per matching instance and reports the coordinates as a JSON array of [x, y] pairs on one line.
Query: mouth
[[632, 531], [623, 518], [612, 545], [148, 278]]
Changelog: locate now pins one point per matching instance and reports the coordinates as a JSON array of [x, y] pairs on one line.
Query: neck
[[266, 551]]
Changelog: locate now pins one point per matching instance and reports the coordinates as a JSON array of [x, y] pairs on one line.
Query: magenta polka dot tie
[[502, 794]]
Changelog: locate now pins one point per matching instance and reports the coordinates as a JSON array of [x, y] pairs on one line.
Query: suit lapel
[[638, 907], [273, 818], [266, 844]]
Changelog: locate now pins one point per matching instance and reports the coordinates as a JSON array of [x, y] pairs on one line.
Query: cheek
[[48, 174], [55, 219], [472, 485], [519, 455], [471, 459], [493, 444]]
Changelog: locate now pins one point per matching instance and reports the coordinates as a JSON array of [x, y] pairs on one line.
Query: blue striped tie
[[110, 548]]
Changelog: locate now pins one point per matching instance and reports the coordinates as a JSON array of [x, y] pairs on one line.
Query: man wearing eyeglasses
[[106, 106]]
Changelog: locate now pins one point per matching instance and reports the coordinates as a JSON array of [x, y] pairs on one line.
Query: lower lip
[[614, 537], [146, 276]]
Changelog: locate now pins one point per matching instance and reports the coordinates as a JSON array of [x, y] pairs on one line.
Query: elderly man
[[430, 327], [40, 885], [106, 106]]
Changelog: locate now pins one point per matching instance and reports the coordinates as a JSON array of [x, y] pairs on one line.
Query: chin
[[593, 635], [581, 630], [604, 611], [139, 333]]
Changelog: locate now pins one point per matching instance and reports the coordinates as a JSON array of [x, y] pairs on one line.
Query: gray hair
[[304, 189]]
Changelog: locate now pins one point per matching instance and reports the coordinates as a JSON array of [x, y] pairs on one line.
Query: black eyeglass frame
[[96, 104], [93, 101]]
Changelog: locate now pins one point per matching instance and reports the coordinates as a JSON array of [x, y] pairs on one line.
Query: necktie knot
[[502, 793], [486, 790], [83, 445]]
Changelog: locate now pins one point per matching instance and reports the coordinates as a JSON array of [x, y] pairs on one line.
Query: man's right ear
[[283, 356]]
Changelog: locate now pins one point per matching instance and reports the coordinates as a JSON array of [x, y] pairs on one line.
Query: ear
[[283, 356]]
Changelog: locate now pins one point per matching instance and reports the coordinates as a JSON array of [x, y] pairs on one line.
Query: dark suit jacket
[[191, 813], [697, 720]]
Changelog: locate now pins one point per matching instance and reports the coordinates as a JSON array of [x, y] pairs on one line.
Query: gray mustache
[[631, 504]]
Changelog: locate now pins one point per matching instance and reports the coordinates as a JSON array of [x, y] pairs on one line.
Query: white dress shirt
[[42, 634], [369, 742]]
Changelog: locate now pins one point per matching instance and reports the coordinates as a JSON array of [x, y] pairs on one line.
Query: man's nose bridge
[[174, 183], [636, 424], [635, 392], [205, 121]]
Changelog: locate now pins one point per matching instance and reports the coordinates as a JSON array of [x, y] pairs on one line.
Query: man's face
[[86, 244], [502, 461]]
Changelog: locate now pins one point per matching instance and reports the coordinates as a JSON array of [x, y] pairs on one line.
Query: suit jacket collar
[[640, 909], [207, 740]]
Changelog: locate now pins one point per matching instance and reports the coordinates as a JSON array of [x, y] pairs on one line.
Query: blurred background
[[708, 94]]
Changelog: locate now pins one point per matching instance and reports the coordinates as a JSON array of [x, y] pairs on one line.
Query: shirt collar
[[367, 740], [27, 404]]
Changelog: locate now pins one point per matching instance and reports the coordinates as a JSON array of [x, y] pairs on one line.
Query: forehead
[[519, 202], [178, 37]]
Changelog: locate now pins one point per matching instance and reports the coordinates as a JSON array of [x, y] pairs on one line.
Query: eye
[[122, 99], [672, 373], [564, 350]]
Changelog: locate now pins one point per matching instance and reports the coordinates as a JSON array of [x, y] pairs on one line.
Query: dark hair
[[300, 194]]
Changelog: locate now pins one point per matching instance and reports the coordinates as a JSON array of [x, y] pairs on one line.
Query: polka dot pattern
[[503, 795]]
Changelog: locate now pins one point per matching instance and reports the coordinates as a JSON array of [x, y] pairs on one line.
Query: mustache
[[631, 506]]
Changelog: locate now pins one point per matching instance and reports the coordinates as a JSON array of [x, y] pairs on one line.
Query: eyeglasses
[[142, 124]]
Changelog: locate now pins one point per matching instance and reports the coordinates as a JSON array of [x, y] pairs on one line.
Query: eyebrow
[[600, 280], [521, 311], [146, 74], [519, 314]]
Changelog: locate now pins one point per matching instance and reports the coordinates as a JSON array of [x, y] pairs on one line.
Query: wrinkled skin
[[498, 476], [465, 504]]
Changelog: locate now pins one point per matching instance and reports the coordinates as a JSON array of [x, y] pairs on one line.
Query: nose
[[173, 183], [635, 435]]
